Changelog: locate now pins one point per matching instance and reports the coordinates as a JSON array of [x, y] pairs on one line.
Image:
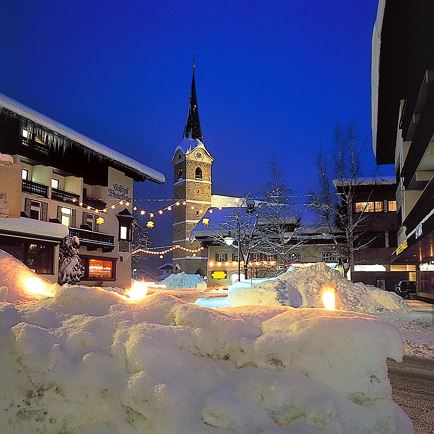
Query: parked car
[[405, 288]]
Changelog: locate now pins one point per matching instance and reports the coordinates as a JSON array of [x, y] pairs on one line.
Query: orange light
[[138, 290], [328, 298], [37, 287], [211, 263]]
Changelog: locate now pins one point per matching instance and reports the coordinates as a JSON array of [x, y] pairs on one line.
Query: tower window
[[198, 173], [180, 174]]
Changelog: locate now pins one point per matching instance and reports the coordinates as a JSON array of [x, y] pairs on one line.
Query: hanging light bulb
[[142, 212]]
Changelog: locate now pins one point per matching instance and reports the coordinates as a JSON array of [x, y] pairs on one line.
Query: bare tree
[[334, 201], [278, 221], [140, 240]]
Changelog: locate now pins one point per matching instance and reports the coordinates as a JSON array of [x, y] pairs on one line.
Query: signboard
[[401, 247], [218, 275], [118, 191]]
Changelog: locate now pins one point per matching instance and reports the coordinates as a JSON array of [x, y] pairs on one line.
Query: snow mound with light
[[15, 277], [303, 288], [89, 361], [182, 281]]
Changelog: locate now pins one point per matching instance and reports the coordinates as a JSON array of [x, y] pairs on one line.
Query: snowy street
[[413, 389]]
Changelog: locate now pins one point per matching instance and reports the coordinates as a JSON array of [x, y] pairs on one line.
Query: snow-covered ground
[[303, 288], [183, 281], [86, 360]]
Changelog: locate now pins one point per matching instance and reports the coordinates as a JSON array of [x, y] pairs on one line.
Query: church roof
[[192, 128]]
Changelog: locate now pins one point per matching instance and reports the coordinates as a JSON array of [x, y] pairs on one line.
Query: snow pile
[[303, 288], [16, 280], [183, 281], [86, 361]]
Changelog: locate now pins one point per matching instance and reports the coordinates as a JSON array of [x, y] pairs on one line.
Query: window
[[391, 205], [100, 269], [198, 173], [328, 257], [369, 206], [123, 233], [89, 221], [35, 210], [24, 174], [55, 183], [221, 257], [65, 216], [180, 174], [38, 256], [256, 257], [25, 134], [379, 206], [295, 257]]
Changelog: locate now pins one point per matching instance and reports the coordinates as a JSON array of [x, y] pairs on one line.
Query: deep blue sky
[[273, 77]]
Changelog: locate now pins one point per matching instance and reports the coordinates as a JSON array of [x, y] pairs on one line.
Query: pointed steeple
[[192, 128]]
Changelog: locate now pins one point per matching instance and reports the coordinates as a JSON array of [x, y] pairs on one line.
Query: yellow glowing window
[[379, 206], [100, 269], [391, 205], [398, 267]]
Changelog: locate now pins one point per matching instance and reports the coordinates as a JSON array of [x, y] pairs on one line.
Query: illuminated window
[[379, 206], [399, 267], [100, 269], [369, 206], [55, 184], [198, 173], [25, 134], [24, 174], [65, 216], [123, 233], [221, 257], [391, 205], [328, 257]]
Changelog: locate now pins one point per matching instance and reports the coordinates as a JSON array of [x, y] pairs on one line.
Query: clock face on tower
[[198, 155]]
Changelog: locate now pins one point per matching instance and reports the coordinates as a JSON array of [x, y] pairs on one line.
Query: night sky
[[273, 78]]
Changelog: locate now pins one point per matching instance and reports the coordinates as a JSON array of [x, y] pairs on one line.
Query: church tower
[[192, 190]]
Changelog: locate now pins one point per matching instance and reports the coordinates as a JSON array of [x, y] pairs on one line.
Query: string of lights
[[161, 253]]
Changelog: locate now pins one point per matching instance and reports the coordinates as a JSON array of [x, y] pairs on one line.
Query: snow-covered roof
[[219, 200], [188, 144], [81, 139], [165, 265], [372, 180], [32, 227]]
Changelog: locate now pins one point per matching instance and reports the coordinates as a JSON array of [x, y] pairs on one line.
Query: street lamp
[[229, 241]]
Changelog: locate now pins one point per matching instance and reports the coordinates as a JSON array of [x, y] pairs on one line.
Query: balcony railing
[[94, 203], [93, 239], [64, 196], [34, 188]]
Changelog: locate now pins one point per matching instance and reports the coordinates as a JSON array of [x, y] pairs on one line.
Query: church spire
[[192, 128]]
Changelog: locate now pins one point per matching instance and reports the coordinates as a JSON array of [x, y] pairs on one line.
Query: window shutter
[[59, 213], [73, 219], [216, 257], [44, 215], [83, 221], [27, 206]]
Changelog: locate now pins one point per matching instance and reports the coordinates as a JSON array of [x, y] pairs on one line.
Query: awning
[[32, 229]]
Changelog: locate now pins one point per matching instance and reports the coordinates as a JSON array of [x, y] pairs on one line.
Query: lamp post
[[229, 241]]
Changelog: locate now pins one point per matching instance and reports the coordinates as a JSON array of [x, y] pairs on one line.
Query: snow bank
[[302, 288], [16, 279], [183, 281], [87, 361]]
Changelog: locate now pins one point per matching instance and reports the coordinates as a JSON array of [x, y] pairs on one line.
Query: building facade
[[403, 126], [192, 190], [375, 209], [56, 182]]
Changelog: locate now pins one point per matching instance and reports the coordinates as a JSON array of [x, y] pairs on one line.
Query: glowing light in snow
[[35, 286], [138, 291], [328, 298]]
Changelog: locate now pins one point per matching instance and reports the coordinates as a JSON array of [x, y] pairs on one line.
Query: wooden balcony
[[93, 239], [64, 196], [34, 188]]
